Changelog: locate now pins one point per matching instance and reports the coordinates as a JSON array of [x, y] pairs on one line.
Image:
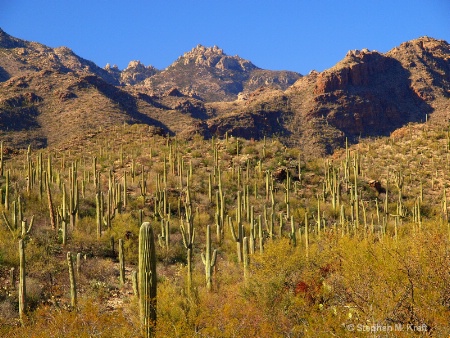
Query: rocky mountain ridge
[[19, 57], [366, 94], [204, 72], [372, 94], [135, 72], [51, 96]]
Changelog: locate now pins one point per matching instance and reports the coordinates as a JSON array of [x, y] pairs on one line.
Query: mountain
[[428, 62], [209, 73], [51, 96], [366, 94], [19, 57]]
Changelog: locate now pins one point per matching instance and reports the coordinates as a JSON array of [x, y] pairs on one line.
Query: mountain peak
[[135, 64], [139, 66], [424, 44], [201, 50], [214, 57], [7, 41], [136, 72]]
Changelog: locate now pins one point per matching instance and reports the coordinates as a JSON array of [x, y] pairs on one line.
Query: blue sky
[[280, 35]]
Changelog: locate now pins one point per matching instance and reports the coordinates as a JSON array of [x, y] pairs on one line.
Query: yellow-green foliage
[[89, 321]]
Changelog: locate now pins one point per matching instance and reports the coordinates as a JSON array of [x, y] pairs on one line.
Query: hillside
[[304, 248]]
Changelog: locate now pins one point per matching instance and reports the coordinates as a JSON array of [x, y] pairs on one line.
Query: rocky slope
[[428, 62]]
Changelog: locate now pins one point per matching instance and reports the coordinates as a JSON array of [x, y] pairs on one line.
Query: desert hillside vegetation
[[250, 238]]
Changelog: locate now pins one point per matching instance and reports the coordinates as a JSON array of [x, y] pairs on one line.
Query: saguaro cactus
[[147, 279], [73, 285], [121, 262], [292, 236], [1, 158], [246, 258], [22, 284], [237, 237], [73, 196], [51, 209], [134, 283], [7, 191], [188, 235], [209, 260], [98, 213]]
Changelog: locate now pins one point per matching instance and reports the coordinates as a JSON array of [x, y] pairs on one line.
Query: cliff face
[[366, 94], [425, 61], [428, 61], [369, 93], [357, 69]]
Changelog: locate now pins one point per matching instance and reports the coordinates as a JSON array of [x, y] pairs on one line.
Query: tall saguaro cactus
[[209, 260], [246, 259], [22, 284], [50, 204], [1, 158], [237, 237], [7, 191], [73, 196], [147, 279], [73, 285], [188, 235], [121, 262]]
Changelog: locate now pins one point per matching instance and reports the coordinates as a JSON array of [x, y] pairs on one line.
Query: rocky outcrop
[[357, 69], [216, 58], [367, 94], [428, 60], [136, 72]]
